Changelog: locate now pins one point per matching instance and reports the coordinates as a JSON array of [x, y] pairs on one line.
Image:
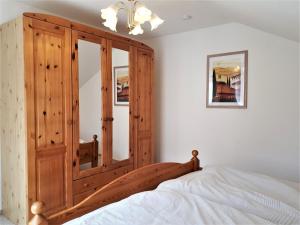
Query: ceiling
[[280, 17]]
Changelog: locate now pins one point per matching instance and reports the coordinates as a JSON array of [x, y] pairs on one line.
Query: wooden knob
[[95, 136], [195, 153], [37, 208], [109, 119]]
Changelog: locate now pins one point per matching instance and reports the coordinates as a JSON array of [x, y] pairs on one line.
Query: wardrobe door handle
[[108, 119]]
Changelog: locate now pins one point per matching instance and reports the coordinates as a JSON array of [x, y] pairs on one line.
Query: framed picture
[[121, 85], [227, 80]]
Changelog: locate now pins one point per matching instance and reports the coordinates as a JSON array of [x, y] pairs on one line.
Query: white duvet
[[212, 196]]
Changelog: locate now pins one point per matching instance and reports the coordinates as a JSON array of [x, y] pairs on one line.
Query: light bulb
[[111, 23], [137, 30], [142, 14], [155, 21]]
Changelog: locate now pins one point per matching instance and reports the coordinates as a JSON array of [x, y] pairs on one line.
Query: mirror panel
[[89, 72], [120, 88]]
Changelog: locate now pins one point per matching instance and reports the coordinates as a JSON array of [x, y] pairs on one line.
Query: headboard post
[[95, 137], [195, 160], [37, 209], [95, 151]]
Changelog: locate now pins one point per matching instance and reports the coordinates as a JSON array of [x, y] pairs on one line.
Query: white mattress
[[212, 196]]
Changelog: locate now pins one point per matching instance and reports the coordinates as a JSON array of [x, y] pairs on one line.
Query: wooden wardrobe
[[40, 112]]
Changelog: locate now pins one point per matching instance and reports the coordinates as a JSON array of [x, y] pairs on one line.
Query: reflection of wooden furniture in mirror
[[88, 152], [41, 60]]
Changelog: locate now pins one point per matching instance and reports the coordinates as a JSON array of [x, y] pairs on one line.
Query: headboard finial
[[95, 137], [37, 209], [195, 153], [196, 161]]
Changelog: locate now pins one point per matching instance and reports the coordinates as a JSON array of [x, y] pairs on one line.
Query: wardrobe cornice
[[85, 28]]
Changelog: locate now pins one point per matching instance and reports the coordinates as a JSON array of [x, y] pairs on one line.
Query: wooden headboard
[[142, 179], [88, 152]]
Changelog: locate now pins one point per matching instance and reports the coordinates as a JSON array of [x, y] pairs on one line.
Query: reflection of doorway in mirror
[[120, 62], [89, 59]]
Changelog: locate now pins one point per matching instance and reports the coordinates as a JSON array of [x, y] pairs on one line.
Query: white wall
[[90, 109], [9, 9], [264, 137]]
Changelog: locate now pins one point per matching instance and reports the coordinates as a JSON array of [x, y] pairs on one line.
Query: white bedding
[[212, 196]]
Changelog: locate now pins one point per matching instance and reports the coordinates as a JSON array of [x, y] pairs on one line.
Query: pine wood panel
[[13, 139], [133, 110], [54, 90], [39, 51], [107, 103], [48, 85], [144, 105], [49, 89], [134, 105], [50, 19], [30, 110], [51, 190]]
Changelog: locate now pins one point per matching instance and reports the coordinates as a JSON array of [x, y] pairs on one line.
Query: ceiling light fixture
[[138, 14]]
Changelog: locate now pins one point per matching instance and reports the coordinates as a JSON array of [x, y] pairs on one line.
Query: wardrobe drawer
[[98, 180]]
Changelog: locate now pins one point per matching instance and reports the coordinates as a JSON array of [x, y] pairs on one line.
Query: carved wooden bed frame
[[142, 179]]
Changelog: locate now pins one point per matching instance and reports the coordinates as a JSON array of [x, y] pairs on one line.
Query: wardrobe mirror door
[[120, 88], [90, 113]]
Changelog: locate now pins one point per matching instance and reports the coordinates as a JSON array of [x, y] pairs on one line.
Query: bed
[[215, 195], [88, 152]]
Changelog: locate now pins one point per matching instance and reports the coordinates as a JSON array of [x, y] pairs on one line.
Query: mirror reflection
[[89, 62], [120, 73]]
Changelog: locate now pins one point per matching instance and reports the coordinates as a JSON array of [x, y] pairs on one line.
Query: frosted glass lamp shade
[[111, 11], [142, 14], [137, 30], [108, 13], [111, 23], [155, 21]]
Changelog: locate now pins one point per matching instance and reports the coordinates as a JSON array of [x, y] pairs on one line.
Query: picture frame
[[121, 86], [227, 80]]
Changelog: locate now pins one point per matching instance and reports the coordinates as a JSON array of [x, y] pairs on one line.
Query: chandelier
[[138, 14]]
